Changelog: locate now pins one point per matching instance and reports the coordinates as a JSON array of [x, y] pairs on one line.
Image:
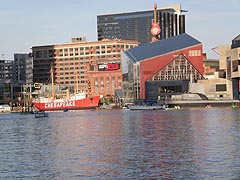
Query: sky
[[27, 23]]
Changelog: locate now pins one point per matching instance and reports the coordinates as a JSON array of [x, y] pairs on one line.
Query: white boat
[[145, 107], [5, 108]]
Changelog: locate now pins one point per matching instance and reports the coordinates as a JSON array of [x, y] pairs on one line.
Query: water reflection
[[122, 144]]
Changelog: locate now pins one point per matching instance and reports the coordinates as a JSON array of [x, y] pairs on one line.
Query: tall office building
[[137, 25], [6, 71], [23, 68]]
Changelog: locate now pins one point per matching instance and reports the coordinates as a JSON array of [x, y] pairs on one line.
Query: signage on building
[[37, 85], [155, 30], [108, 67]]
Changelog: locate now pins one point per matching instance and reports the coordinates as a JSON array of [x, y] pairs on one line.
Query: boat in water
[[76, 102], [145, 107], [5, 108]]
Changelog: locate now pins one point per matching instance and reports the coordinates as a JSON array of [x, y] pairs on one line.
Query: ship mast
[[52, 82], [76, 82]]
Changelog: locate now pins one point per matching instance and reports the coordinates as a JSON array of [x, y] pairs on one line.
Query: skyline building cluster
[[137, 25], [98, 68], [88, 63]]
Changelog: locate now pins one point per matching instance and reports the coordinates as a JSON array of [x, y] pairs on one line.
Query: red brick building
[[165, 67], [93, 67]]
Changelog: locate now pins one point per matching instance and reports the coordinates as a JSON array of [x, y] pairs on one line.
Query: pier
[[199, 103]]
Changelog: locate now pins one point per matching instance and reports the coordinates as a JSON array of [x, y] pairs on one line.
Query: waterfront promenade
[[203, 103]]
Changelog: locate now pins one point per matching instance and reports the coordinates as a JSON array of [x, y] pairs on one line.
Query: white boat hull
[[138, 107], [5, 108]]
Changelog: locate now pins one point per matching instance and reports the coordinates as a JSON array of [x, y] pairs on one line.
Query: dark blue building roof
[[161, 47]]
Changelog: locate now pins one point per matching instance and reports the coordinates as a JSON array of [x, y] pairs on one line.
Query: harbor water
[[191, 143]]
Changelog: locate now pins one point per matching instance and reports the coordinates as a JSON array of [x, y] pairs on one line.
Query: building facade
[[6, 71], [230, 63], [23, 69], [167, 69], [210, 66], [15, 78], [137, 25], [6, 77], [92, 67], [215, 86]]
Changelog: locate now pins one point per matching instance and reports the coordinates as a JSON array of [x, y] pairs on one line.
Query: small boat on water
[[145, 107], [5, 108]]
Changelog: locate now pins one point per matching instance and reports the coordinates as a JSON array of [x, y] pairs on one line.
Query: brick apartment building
[[93, 67]]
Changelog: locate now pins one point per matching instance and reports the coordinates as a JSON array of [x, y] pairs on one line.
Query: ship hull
[[87, 103]]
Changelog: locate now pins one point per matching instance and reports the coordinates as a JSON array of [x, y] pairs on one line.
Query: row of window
[[87, 53], [195, 53], [118, 56], [80, 51], [7, 76], [97, 87]]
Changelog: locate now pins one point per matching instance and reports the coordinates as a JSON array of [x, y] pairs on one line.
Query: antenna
[[216, 50]]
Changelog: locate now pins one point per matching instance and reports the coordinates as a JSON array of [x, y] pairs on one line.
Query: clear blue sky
[[25, 23]]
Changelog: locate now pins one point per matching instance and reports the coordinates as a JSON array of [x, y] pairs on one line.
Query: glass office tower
[[137, 25]]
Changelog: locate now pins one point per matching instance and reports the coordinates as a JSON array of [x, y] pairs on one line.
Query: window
[[113, 83], [194, 53], [235, 65], [170, 89], [221, 87], [229, 69]]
